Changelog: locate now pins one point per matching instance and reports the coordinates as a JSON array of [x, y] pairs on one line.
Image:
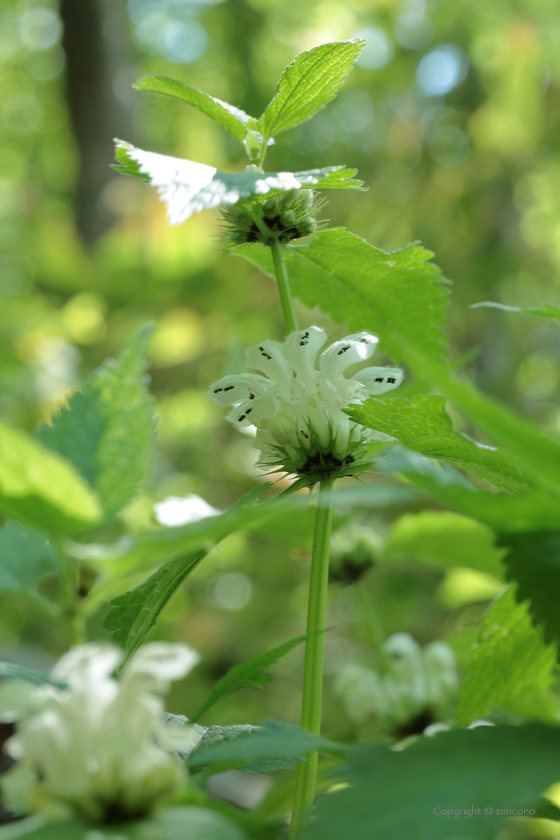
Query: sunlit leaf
[[107, 430], [42, 489], [423, 425], [310, 82], [228, 116], [396, 794], [251, 673], [397, 295], [187, 187], [509, 667]]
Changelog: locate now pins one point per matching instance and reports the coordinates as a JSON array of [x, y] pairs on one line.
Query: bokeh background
[[451, 117]]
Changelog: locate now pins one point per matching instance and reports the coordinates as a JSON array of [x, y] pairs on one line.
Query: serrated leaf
[[546, 310], [230, 117], [25, 556], [273, 740], [18, 672], [135, 613], [441, 539], [396, 794], [533, 562], [223, 734], [42, 489], [251, 673], [309, 83], [107, 430], [423, 425], [510, 667], [398, 295], [187, 187]]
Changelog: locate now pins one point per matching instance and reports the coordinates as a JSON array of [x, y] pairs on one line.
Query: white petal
[[301, 349], [351, 350], [156, 664], [241, 414], [234, 389], [268, 357], [379, 380]]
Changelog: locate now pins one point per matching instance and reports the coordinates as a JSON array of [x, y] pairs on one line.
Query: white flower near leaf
[[297, 406], [99, 749], [188, 187], [412, 696]]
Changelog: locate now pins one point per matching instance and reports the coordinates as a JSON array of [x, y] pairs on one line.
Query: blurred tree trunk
[[98, 72]]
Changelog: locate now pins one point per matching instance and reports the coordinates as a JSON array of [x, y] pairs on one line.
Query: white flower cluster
[[412, 696], [99, 749], [297, 409]]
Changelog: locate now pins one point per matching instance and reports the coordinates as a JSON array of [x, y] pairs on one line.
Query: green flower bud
[[354, 550], [282, 217]]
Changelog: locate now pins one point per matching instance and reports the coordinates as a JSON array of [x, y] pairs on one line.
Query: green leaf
[[35, 828], [187, 187], [309, 83], [189, 822], [273, 740], [442, 539], [42, 489], [107, 430], [510, 667], [228, 116], [533, 561], [538, 452], [25, 556], [251, 673], [396, 794], [135, 613], [18, 672], [423, 425], [398, 295], [532, 510], [125, 165], [546, 310], [223, 734]]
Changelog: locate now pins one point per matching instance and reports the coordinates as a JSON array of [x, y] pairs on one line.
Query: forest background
[[451, 118]]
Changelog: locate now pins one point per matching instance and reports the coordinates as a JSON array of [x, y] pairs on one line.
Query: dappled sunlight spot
[[83, 318], [178, 338], [378, 51], [40, 28], [413, 29], [233, 591], [441, 70], [463, 586], [187, 411]]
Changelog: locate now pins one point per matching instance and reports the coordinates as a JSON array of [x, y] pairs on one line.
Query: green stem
[[283, 282], [374, 626], [314, 654]]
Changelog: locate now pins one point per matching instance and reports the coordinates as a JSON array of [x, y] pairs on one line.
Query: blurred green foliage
[[450, 117]]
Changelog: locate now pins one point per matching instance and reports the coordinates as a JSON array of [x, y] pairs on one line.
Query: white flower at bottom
[[98, 749], [297, 409]]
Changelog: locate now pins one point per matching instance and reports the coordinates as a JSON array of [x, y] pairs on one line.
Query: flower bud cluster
[[408, 699], [282, 217], [97, 749]]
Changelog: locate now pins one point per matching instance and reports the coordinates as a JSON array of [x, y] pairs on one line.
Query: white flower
[[99, 749], [410, 697], [297, 409]]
